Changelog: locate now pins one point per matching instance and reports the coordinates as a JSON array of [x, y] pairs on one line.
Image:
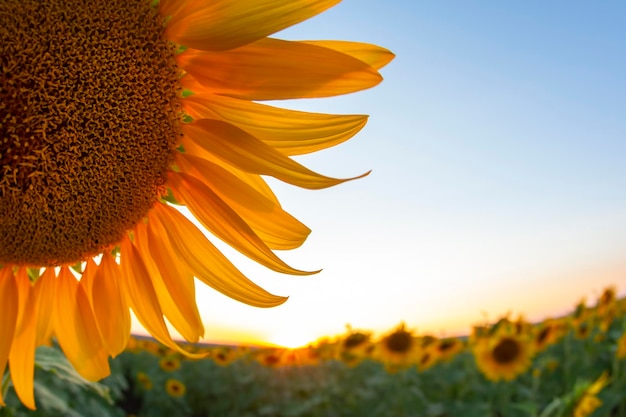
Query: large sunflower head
[[503, 356], [113, 114]]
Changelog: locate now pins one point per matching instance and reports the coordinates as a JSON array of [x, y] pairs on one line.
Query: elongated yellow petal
[[224, 222], [76, 329], [142, 297], [109, 307], [372, 55], [291, 132], [273, 69], [245, 152], [45, 290], [9, 310], [206, 262], [277, 228], [253, 180], [22, 355], [173, 283], [226, 24]]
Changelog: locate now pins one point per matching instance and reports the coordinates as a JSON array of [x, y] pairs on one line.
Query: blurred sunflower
[[169, 364], [448, 348], [354, 347], [113, 111], [175, 388], [547, 333], [144, 381], [503, 356], [398, 350], [621, 347]]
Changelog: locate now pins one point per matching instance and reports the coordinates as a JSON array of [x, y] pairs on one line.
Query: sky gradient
[[497, 144]]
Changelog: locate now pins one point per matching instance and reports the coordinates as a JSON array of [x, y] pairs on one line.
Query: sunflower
[[547, 333], [503, 356], [354, 347], [397, 350], [175, 388], [112, 114], [446, 349], [169, 364], [621, 347], [144, 381]]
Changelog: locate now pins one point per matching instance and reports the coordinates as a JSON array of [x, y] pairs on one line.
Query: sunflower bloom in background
[[504, 355], [587, 402], [113, 111]]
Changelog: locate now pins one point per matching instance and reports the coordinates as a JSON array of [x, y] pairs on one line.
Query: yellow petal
[[142, 297], [273, 69], [76, 329], [206, 262], [9, 310], [253, 180], [247, 153], [45, 290], [224, 222], [225, 24], [291, 132], [373, 55], [109, 307], [173, 283], [277, 228], [22, 355]]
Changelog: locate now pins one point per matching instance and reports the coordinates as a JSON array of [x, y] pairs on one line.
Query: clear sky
[[497, 144]]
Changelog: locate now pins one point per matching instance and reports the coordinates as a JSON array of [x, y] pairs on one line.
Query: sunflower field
[[572, 366]]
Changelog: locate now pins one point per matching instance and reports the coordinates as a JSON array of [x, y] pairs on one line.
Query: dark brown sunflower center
[[89, 118], [506, 351], [543, 335], [399, 342]]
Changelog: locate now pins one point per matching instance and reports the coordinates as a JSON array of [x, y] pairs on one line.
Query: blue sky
[[498, 148]]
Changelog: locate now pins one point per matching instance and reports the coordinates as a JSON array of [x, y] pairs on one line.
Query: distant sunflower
[[546, 334], [446, 349], [399, 349], [175, 388], [111, 112], [504, 356], [144, 381], [354, 347], [169, 364], [621, 347]]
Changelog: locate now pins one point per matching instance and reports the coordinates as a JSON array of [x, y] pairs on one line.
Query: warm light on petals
[[207, 263], [219, 25], [274, 69], [219, 218], [109, 307], [245, 152], [76, 330], [22, 355], [372, 55], [45, 290], [277, 228], [173, 283], [290, 132], [9, 310]]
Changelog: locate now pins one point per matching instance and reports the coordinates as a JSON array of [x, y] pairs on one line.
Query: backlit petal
[[9, 310], [245, 152], [372, 55], [45, 290], [22, 355], [219, 218], [277, 228], [273, 69], [142, 297], [110, 309], [76, 329], [173, 283], [225, 24], [289, 131], [206, 262]]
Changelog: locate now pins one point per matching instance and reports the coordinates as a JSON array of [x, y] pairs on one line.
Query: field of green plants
[[568, 366]]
